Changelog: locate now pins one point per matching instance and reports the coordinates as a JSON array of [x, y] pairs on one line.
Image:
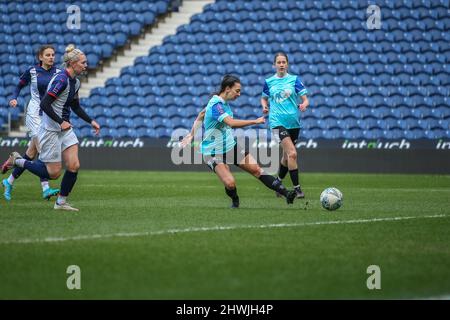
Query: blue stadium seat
[[414, 134], [395, 133], [361, 112], [442, 112], [445, 123], [353, 134], [409, 123], [436, 133], [368, 123], [328, 123], [397, 75], [333, 133], [388, 123], [401, 112], [421, 112], [342, 112], [429, 123], [381, 112], [321, 112], [15, 113], [142, 132], [374, 133]]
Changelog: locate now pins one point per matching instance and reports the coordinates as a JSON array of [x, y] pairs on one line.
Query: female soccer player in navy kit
[[38, 78], [280, 98], [219, 147], [57, 139]]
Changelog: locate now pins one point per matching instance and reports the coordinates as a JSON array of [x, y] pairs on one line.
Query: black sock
[[282, 171], [232, 193], [68, 182], [294, 177], [274, 184]]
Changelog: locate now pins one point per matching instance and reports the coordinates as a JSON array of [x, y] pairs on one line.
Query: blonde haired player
[[57, 138]]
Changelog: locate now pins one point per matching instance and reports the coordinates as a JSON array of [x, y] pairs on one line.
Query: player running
[[280, 98], [56, 135], [219, 147], [38, 78]]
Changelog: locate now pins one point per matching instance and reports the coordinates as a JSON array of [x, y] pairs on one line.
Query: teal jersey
[[284, 96], [218, 137]]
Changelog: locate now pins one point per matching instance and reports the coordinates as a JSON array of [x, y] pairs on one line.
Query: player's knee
[[31, 153], [230, 184], [292, 155], [256, 171], [74, 166], [54, 170], [54, 174]]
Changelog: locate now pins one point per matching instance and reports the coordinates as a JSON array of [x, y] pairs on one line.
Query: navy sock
[[282, 171], [274, 184], [38, 168], [68, 182], [232, 193], [294, 177], [18, 171]]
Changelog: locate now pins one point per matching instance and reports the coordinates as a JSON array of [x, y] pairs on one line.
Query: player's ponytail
[[227, 82], [72, 54]]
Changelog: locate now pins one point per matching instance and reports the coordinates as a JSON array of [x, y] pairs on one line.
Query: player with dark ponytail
[[219, 148]]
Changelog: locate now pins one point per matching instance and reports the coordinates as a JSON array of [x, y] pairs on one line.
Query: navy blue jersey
[[64, 89], [38, 78]]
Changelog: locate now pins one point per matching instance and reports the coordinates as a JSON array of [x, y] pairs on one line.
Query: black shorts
[[285, 133], [234, 156]]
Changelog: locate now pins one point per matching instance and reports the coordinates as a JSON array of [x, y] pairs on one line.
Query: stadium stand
[[389, 83], [105, 27]]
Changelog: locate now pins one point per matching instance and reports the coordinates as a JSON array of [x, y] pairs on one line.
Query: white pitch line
[[215, 228]]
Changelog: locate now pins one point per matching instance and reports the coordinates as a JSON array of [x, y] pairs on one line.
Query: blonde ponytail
[[72, 54]]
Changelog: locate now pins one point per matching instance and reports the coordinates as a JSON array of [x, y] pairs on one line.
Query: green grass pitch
[[171, 235]]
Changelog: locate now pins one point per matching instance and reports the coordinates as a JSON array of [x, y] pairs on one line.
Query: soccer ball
[[331, 198]]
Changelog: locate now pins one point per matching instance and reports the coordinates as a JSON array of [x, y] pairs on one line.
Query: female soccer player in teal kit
[[280, 98], [219, 147]]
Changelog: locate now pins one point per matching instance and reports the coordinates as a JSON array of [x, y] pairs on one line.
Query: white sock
[[20, 162], [45, 185], [61, 200], [11, 179], [297, 187]]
